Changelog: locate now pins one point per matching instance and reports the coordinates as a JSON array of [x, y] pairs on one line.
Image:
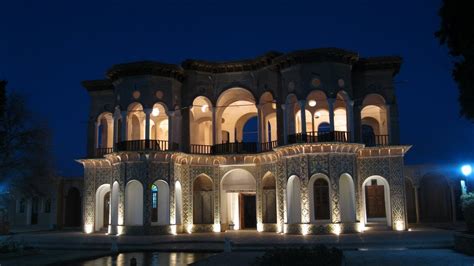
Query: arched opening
[[105, 130], [319, 202], [293, 200], [134, 203], [114, 203], [159, 123], [102, 207], [411, 204], [238, 199], [73, 208], [232, 105], [347, 198], [374, 116], [203, 205], [340, 112], [376, 200], [178, 203], [269, 198], [435, 199], [318, 107], [268, 114], [135, 122], [160, 203], [200, 122]]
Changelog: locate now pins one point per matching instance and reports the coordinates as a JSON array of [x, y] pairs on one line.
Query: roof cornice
[[145, 68], [316, 55], [98, 85], [379, 63]]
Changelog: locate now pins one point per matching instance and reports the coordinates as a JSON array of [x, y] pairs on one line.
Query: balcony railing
[[146, 145], [268, 146], [100, 152], [235, 147], [200, 149], [375, 140], [315, 137]]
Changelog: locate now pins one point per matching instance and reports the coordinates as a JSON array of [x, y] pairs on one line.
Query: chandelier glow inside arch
[[312, 103]]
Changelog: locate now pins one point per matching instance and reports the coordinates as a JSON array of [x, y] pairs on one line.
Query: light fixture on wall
[[204, 108], [155, 112], [317, 115], [312, 103], [274, 106]]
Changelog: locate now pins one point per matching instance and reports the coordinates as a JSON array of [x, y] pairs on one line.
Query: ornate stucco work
[[302, 161], [167, 153]]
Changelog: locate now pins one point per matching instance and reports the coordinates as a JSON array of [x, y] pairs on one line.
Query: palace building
[[304, 142]]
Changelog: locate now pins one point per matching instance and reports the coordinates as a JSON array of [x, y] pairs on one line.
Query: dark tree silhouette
[[457, 33], [25, 145]]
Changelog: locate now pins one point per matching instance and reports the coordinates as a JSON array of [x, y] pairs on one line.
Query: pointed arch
[[134, 203]]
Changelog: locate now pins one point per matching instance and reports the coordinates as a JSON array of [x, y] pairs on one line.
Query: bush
[[8, 245], [468, 209], [316, 255]]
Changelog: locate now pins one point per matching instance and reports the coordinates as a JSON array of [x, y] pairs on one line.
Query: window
[[47, 206], [154, 203], [22, 205]]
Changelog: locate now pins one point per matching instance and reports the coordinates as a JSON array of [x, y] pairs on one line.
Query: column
[[259, 126], [331, 102], [214, 126], [350, 120], [170, 130], [303, 117], [124, 126], [147, 127], [285, 123], [453, 202], [96, 136], [185, 131], [417, 205], [389, 126], [116, 134]]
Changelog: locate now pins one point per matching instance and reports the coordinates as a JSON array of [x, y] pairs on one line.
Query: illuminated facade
[[171, 148]]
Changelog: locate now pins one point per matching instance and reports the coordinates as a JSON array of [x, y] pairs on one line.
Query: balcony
[[375, 140], [100, 152], [146, 145], [317, 137]]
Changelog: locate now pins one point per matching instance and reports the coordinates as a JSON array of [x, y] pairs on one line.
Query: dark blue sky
[[48, 47]]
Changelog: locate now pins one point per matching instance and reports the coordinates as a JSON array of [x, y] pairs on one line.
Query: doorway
[[106, 210], [375, 204], [34, 210], [248, 210]]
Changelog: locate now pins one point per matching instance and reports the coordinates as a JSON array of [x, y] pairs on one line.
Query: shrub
[[316, 255], [468, 209], [8, 245]]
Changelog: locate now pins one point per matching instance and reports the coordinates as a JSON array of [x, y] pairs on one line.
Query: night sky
[[48, 47]]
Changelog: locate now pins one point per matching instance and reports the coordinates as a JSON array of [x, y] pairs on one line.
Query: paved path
[[241, 240]]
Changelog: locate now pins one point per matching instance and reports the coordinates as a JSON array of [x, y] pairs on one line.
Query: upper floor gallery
[[248, 106]]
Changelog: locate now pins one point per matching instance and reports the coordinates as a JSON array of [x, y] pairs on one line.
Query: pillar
[[417, 205], [260, 130], [96, 136], [285, 123], [331, 102], [116, 134], [147, 124], [185, 132], [389, 126], [170, 130], [124, 126], [303, 116], [214, 126], [350, 120]]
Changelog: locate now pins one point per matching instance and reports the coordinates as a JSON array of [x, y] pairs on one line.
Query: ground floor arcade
[[303, 189]]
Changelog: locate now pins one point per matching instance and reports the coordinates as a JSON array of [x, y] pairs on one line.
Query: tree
[[25, 146], [457, 33]]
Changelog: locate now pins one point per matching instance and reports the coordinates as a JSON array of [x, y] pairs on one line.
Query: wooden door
[[321, 199], [106, 209], [375, 201], [248, 211]]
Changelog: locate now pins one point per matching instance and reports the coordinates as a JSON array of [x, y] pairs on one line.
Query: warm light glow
[[304, 229], [155, 112], [204, 108], [466, 170], [312, 103], [360, 227], [336, 229], [173, 229], [216, 228], [88, 228], [317, 115], [399, 225], [119, 230], [189, 228], [274, 106], [279, 228], [259, 227]]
